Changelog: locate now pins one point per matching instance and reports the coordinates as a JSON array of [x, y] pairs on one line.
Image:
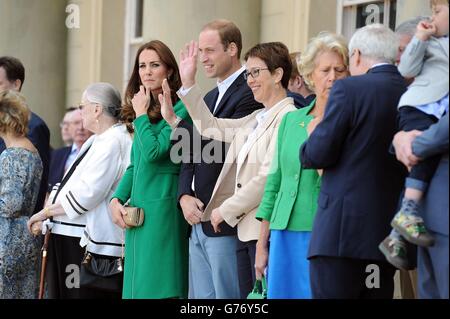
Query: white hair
[[376, 42], [106, 95]]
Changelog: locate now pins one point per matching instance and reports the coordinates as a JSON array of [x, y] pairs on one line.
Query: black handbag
[[102, 272]]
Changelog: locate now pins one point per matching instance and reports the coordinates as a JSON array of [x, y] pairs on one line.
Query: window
[[134, 26], [138, 16], [355, 14]]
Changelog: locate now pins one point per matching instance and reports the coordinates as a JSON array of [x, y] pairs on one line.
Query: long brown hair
[[154, 111]]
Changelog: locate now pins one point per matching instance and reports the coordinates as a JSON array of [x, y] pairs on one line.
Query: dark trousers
[[63, 256], [433, 269], [346, 278], [246, 252], [410, 118]]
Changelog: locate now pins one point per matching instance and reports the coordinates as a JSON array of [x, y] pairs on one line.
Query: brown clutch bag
[[134, 216]]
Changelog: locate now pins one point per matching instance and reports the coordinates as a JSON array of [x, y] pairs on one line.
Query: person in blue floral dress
[[20, 175]]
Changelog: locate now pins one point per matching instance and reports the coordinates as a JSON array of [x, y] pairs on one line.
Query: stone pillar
[[96, 48], [35, 32]]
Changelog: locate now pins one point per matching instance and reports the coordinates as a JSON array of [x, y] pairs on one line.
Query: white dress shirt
[[225, 85], [73, 154], [261, 118]]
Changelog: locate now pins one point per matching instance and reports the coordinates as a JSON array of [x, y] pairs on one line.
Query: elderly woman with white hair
[[90, 183]]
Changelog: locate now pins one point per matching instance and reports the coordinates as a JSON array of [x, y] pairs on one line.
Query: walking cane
[[43, 264]]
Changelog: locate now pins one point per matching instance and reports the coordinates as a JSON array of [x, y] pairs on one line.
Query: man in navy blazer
[[58, 157], [58, 161], [12, 77], [361, 180], [213, 270], [433, 262]]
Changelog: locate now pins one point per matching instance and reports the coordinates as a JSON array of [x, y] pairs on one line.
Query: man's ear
[[357, 57], [299, 82], [232, 49], [17, 85]]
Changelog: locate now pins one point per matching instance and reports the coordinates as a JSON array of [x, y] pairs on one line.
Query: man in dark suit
[[433, 262], [12, 77], [212, 256], [361, 181]]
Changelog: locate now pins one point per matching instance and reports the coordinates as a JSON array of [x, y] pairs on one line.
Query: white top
[[261, 118], [86, 195]]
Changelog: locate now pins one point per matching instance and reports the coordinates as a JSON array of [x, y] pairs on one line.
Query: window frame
[[352, 6], [131, 41]]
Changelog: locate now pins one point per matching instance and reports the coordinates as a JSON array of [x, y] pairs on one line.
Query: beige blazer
[[240, 186]]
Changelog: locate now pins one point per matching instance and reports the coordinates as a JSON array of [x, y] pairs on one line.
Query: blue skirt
[[288, 269]]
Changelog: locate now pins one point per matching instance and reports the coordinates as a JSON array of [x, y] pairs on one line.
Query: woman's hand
[[165, 101], [38, 217], [188, 64], [141, 101], [36, 228], [117, 213], [261, 259], [216, 219]]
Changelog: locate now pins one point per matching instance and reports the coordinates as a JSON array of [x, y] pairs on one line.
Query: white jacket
[[85, 196]]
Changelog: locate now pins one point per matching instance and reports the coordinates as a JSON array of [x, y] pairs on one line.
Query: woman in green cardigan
[[290, 197], [156, 253]]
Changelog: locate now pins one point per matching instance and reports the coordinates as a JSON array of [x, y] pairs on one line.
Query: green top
[[156, 253], [291, 192]]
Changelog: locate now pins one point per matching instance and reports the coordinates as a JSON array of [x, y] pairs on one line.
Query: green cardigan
[[156, 254], [291, 192]]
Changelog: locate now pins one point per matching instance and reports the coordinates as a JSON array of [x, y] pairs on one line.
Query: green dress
[[156, 254]]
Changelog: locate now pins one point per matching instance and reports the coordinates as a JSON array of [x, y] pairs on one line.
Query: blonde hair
[[323, 42], [14, 113]]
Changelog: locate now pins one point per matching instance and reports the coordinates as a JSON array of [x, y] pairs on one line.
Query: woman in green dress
[[156, 253]]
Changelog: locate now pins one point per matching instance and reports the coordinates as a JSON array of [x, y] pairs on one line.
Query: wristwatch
[[175, 124]]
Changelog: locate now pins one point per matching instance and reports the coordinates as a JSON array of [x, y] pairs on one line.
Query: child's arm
[[413, 58]]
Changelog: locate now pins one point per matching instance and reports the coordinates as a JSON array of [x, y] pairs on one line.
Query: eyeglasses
[[254, 73]]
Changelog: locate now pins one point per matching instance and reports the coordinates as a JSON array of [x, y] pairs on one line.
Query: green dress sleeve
[[155, 145], [123, 191]]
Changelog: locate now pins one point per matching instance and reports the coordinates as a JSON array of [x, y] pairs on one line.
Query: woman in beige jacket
[[240, 186]]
